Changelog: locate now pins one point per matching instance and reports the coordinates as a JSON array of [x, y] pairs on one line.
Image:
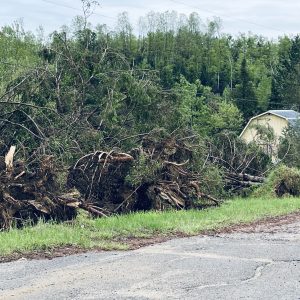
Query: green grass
[[108, 233]]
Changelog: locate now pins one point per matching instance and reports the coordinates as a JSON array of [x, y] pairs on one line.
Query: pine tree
[[244, 93], [286, 81]]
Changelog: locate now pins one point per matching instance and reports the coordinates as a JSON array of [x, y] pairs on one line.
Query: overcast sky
[[270, 18]]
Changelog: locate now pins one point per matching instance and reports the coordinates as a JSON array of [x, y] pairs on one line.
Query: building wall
[[277, 123]]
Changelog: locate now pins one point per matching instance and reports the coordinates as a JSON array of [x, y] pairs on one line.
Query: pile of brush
[[157, 175], [28, 195]]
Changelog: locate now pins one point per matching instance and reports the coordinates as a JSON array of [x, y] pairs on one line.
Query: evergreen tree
[[244, 93], [286, 82]]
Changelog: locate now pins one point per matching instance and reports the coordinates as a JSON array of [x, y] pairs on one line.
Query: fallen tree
[[26, 196], [164, 172], [157, 175]]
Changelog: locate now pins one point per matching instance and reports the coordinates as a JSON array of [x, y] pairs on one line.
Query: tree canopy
[[88, 87]]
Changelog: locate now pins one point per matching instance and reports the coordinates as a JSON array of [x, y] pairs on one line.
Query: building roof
[[291, 116], [287, 114]]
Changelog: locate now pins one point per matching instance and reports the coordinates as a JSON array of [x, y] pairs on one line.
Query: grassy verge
[[111, 233]]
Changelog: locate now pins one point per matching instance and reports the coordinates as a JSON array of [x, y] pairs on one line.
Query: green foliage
[[263, 92], [89, 88], [283, 181], [191, 110], [202, 111], [18, 52], [244, 92], [289, 147], [265, 134], [234, 154], [226, 117], [285, 84], [213, 181], [144, 170]]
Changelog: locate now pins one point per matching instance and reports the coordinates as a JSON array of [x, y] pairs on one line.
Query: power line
[[77, 9], [61, 5], [227, 16], [235, 100]]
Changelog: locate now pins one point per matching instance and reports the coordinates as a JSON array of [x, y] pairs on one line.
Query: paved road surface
[[261, 265]]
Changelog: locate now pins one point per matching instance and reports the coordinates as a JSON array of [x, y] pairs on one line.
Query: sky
[[270, 18]]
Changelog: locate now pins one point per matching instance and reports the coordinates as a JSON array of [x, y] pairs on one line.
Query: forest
[[137, 118]]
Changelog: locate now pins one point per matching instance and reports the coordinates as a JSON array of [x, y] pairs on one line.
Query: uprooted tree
[[29, 195], [177, 171], [157, 175]]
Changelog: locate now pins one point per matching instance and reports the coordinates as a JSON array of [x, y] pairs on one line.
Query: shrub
[[283, 181]]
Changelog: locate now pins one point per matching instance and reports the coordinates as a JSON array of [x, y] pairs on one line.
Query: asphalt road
[[261, 265]]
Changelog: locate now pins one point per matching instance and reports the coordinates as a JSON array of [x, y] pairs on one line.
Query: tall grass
[[106, 233]]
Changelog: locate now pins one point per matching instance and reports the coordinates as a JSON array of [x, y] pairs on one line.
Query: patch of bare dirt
[[43, 254], [136, 243], [268, 224], [132, 243]]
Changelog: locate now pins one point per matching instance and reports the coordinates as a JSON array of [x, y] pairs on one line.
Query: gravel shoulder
[[259, 261]]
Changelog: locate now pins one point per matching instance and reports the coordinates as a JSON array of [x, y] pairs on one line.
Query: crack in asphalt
[[258, 272], [214, 267], [67, 277]]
